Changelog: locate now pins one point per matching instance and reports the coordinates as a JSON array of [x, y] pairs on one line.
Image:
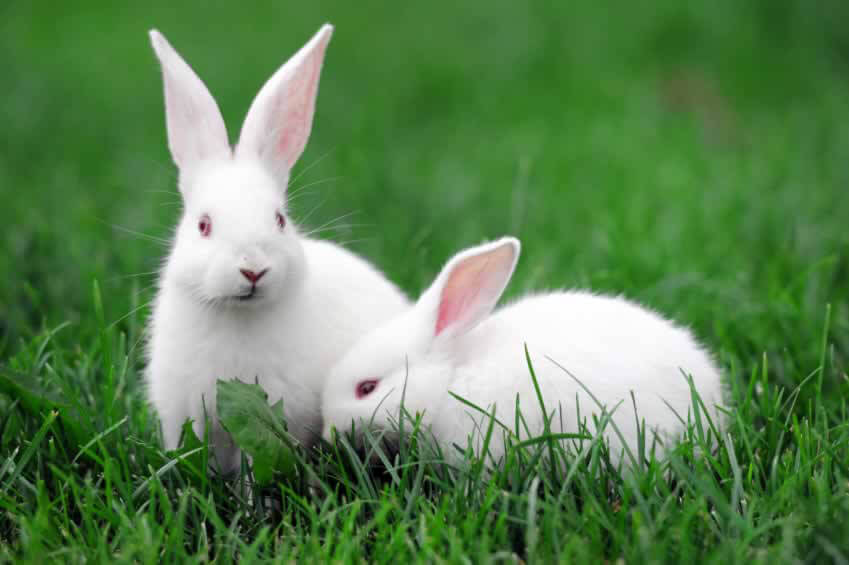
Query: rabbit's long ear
[[278, 123], [196, 130], [470, 284]]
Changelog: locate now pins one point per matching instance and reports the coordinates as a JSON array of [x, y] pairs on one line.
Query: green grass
[[692, 156]]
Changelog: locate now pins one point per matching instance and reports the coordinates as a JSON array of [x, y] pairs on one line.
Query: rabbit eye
[[205, 225], [281, 220], [365, 388]]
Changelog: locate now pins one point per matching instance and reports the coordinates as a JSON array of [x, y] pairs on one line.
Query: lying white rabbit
[[449, 341], [242, 294]]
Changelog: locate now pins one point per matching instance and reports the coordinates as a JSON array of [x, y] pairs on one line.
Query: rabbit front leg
[[175, 410]]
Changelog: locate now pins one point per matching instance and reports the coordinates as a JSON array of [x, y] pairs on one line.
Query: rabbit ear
[[196, 130], [278, 123], [470, 284]]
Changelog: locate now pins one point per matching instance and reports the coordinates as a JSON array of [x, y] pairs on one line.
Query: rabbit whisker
[[329, 224], [132, 275], [337, 227], [141, 235], [311, 165], [312, 211], [294, 191], [128, 314], [298, 196]]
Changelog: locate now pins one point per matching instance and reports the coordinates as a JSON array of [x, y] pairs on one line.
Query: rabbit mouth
[[252, 294]]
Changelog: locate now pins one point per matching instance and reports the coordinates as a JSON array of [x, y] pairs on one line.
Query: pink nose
[[253, 276]]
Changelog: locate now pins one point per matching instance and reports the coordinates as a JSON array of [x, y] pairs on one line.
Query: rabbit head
[[235, 244], [412, 357]]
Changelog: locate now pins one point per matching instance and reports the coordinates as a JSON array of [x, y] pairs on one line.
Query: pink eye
[[281, 220], [205, 225], [365, 388]]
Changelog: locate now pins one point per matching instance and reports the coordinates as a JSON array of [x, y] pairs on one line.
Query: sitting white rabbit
[[242, 294], [451, 342]]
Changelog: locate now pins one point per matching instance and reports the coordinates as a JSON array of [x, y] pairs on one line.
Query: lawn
[[692, 156]]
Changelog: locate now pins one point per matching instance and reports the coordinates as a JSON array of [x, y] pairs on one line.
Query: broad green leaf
[[257, 428]]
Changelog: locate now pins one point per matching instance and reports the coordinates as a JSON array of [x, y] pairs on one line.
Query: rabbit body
[[286, 347], [448, 344], [243, 294], [612, 346]]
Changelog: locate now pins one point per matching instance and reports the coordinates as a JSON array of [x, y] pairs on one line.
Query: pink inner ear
[[472, 288], [295, 108], [450, 310], [460, 294]]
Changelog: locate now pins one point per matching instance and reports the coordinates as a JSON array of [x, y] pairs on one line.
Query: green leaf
[[190, 442], [257, 428]]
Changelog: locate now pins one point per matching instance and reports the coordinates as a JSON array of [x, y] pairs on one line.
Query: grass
[[689, 155]]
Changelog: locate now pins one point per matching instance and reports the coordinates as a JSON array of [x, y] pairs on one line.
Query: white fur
[[315, 297], [613, 346]]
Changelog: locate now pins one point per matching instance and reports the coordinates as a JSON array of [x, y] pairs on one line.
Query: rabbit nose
[[253, 276]]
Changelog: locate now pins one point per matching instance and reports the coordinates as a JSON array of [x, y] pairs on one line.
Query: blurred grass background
[[689, 155]]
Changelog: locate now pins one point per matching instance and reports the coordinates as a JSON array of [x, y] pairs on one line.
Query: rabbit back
[[614, 347]]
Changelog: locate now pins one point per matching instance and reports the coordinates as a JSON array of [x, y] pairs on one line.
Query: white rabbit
[[242, 294], [448, 341]]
